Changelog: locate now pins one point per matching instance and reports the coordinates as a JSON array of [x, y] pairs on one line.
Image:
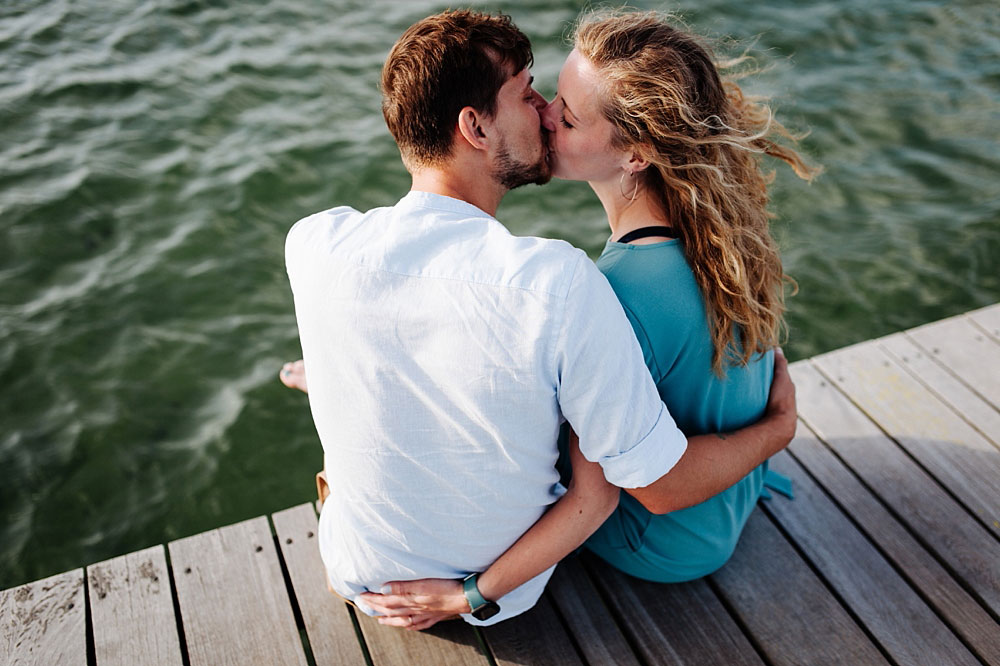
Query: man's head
[[464, 60]]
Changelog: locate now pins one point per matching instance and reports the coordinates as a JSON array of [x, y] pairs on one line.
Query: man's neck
[[470, 184]]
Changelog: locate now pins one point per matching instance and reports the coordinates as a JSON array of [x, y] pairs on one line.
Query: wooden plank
[[968, 352], [963, 613], [907, 628], [590, 622], [44, 622], [947, 530], [791, 614], [448, 643], [534, 637], [945, 444], [988, 319], [683, 623], [232, 597], [326, 616], [132, 610], [980, 414]]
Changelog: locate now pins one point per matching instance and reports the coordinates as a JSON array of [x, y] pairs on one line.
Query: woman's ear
[[637, 162], [470, 126]]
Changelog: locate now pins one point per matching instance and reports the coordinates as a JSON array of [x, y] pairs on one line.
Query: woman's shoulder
[[653, 277]]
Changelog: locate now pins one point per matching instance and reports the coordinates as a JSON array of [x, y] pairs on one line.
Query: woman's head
[[694, 142]]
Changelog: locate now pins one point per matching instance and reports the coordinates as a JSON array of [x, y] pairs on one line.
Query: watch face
[[486, 611]]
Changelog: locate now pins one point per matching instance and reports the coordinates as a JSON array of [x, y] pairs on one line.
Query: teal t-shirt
[[664, 304]]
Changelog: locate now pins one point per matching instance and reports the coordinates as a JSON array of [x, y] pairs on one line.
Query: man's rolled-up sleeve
[[605, 390]]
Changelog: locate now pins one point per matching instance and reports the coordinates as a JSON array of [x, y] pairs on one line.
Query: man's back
[[430, 334]]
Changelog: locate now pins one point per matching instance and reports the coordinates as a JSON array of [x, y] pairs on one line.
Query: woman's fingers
[[389, 604], [416, 622]]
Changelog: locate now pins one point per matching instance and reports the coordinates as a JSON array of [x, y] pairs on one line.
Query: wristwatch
[[481, 608]]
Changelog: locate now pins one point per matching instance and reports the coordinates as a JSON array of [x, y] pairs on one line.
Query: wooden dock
[[889, 554]]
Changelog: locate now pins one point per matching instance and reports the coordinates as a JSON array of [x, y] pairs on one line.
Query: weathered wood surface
[[807, 625], [914, 497], [673, 624], [450, 642], [590, 622], [44, 622], [890, 553], [938, 438], [535, 637], [232, 597], [931, 373], [894, 540], [327, 618], [967, 350], [988, 319], [907, 629], [132, 610]]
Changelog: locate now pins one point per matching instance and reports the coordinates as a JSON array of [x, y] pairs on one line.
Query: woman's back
[[661, 298]]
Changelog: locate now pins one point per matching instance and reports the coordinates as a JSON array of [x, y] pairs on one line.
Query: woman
[[672, 152]]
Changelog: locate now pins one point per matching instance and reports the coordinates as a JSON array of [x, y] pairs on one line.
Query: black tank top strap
[[647, 232]]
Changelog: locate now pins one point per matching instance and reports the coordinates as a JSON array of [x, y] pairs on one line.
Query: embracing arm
[[715, 462], [561, 529]]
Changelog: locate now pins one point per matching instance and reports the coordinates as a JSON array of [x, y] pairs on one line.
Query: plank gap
[[978, 520], [185, 659], [292, 599], [987, 332], [484, 645], [89, 623], [737, 620], [360, 635], [566, 627]]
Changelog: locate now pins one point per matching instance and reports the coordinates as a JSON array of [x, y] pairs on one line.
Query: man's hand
[[781, 409], [418, 604]]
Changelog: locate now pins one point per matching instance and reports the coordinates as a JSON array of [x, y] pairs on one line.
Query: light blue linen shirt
[[442, 355]]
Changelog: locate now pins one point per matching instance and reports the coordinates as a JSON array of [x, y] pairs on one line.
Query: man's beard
[[511, 173]]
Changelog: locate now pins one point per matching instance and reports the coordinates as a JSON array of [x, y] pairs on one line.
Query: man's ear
[[471, 127]]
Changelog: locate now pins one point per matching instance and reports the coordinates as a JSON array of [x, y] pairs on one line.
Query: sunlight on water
[[152, 158]]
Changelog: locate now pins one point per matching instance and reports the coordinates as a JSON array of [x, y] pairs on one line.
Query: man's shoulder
[[323, 220]]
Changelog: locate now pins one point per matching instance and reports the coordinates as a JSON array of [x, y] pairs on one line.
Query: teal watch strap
[[471, 591]]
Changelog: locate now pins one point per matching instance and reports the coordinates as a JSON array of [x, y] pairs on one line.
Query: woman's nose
[[548, 117]]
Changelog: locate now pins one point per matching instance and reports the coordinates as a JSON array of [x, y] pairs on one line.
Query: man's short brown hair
[[440, 65]]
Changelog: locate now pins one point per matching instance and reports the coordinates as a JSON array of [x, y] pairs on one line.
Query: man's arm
[[713, 463], [563, 528]]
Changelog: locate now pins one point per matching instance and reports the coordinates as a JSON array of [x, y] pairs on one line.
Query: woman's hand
[[781, 408], [418, 604]]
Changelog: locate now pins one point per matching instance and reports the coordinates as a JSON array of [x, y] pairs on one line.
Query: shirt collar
[[417, 199]]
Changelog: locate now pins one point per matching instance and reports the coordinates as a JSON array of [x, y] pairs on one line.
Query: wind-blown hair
[[704, 140], [440, 65]]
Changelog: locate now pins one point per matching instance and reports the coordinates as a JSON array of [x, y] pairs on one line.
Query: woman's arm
[[567, 524], [713, 463]]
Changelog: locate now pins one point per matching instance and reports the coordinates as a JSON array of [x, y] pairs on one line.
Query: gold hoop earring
[[621, 183]]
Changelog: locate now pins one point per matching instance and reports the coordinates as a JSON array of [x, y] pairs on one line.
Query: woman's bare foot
[[293, 375]]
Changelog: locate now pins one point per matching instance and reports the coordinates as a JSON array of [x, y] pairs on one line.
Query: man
[[444, 353]]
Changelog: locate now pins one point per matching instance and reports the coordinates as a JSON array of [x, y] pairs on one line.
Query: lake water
[[153, 155]]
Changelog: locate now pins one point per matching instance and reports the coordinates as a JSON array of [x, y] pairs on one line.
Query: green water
[[153, 155]]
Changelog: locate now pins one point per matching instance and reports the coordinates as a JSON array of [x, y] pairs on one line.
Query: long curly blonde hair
[[704, 140]]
